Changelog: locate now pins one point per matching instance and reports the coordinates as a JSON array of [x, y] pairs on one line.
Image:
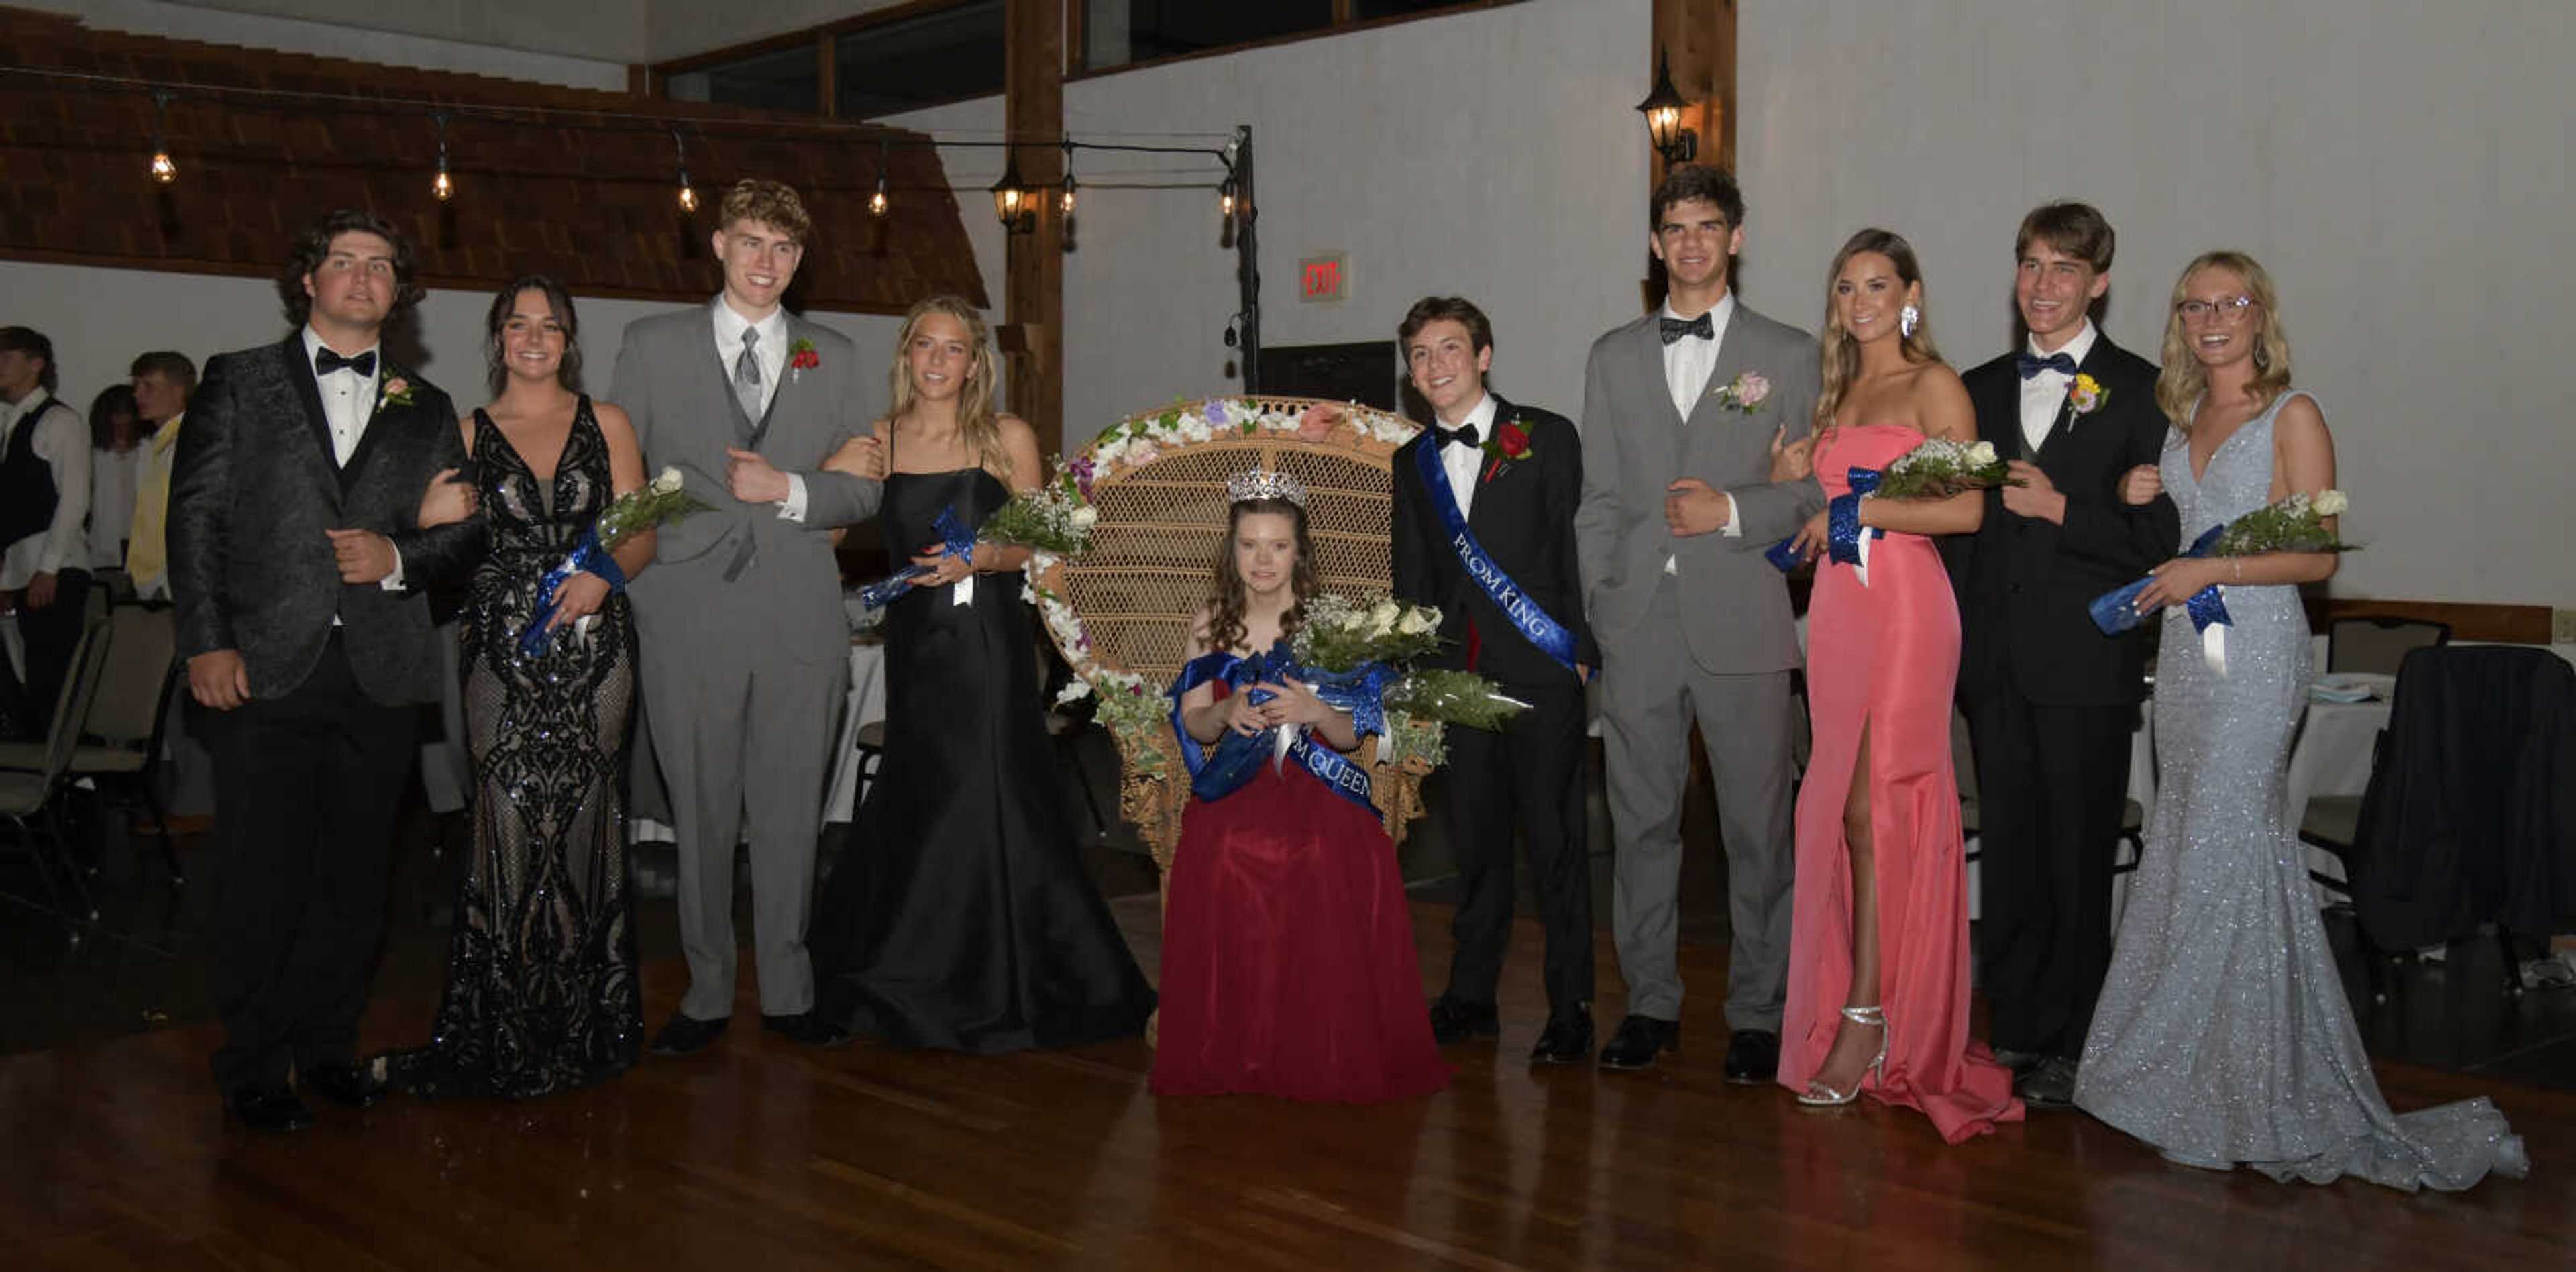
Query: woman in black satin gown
[[541, 993], [961, 916]]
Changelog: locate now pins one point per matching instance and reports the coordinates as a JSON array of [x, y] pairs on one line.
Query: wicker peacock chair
[[1120, 613]]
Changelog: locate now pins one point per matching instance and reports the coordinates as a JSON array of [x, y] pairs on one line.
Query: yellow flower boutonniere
[[2084, 395]]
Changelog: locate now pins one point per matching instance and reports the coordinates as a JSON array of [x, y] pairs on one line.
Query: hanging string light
[[877, 201], [163, 170], [680, 156], [442, 186], [1225, 199], [1066, 199]]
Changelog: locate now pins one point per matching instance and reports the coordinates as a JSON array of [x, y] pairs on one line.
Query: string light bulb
[[443, 186], [163, 171], [1225, 200], [877, 202], [680, 157], [1066, 199]]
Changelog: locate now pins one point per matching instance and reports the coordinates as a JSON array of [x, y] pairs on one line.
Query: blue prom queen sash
[[1535, 623], [1219, 771]]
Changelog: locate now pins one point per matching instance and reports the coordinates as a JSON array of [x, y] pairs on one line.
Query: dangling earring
[[1907, 319]]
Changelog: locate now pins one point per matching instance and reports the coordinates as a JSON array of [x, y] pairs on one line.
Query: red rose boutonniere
[[800, 356], [1511, 440]]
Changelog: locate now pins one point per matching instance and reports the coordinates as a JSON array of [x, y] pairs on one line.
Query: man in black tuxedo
[[1502, 571], [2050, 701], [295, 563]]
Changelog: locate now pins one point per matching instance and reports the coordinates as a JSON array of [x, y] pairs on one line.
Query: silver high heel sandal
[[1818, 1095]]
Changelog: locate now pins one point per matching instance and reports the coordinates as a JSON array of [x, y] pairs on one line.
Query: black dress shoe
[[1456, 1020], [806, 1027], [1752, 1057], [274, 1110], [2050, 1085], [687, 1033], [1566, 1040], [1637, 1041], [349, 1083], [2020, 1062]]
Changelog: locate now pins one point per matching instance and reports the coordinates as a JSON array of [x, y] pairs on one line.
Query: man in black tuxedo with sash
[[2050, 701], [296, 564], [1484, 529]]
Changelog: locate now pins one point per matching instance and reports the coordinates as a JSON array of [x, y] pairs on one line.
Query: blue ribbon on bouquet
[[2116, 611], [1222, 770], [959, 541], [1842, 519], [586, 557]]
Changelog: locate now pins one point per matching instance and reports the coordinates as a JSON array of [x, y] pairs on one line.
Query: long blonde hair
[[979, 425], [1841, 351], [2184, 381]]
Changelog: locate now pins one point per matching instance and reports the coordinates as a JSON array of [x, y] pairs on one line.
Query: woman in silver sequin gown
[[2223, 1035]]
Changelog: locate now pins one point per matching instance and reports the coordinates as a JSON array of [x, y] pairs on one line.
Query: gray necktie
[[746, 376]]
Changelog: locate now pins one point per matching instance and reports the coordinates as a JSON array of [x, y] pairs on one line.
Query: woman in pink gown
[[1878, 966], [1288, 959]]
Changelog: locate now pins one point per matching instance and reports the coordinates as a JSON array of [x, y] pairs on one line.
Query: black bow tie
[[1465, 436], [1676, 328], [2030, 367], [325, 362]]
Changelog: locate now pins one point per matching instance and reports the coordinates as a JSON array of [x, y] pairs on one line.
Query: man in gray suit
[[1683, 411], [745, 649]]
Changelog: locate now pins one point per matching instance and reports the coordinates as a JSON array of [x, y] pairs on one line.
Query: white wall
[[576, 45], [1491, 154], [99, 319], [2400, 168]]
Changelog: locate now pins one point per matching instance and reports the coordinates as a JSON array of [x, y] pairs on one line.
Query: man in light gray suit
[[745, 649], [1683, 412]]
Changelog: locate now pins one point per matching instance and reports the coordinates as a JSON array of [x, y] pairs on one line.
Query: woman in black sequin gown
[[541, 993], [961, 916]]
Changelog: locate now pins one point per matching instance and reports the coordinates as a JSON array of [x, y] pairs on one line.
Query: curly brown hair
[[314, 245], [1225, 600]]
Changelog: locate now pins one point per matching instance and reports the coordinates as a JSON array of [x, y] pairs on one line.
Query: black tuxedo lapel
[[2096, 359], [382, 418], [2001, 409], [301, 382]]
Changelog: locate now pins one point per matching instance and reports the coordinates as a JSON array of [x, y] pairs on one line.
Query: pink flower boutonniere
[[1745, 392], [395, 391], [800, 356], [2084, 395]]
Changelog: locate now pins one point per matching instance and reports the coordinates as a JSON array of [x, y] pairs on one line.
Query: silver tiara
[[1256, 483]]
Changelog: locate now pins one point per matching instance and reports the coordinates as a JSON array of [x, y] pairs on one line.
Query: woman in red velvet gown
[[1878, 964], [1288, 959]]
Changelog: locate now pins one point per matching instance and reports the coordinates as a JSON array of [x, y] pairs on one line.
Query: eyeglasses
[[2228, 310]]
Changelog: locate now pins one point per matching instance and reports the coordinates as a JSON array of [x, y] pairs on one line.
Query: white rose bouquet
[[630, 514], [1056, 517], [1940, 467]]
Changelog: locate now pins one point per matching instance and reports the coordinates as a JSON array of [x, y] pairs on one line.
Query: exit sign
[[1322, 278]]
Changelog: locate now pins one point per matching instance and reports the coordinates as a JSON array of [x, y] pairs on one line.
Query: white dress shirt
[[113, 476], [2044, 393], [1688, 362], [62, 441], [1461, 462], [771, 352], [348, 406]]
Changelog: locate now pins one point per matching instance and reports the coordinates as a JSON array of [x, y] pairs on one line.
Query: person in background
[[44, 501], [116, 456]]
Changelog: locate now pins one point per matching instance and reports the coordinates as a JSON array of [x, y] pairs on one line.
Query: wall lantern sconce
[[1663, 111], [1013, 201]]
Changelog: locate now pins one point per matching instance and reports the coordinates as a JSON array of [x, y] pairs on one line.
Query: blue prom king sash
[[1221, 771], [1537, 624]]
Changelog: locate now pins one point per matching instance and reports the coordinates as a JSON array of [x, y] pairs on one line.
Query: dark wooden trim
[[784, 39], [2469, 620], [827, 97], [1074, 71], [641, 81], [1033, 277]]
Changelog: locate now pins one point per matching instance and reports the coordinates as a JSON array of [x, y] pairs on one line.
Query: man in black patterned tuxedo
[[1484, 529], [296, 567], [2050, 701]]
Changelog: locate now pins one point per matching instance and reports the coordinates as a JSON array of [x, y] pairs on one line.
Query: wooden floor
[[762, 1155]]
